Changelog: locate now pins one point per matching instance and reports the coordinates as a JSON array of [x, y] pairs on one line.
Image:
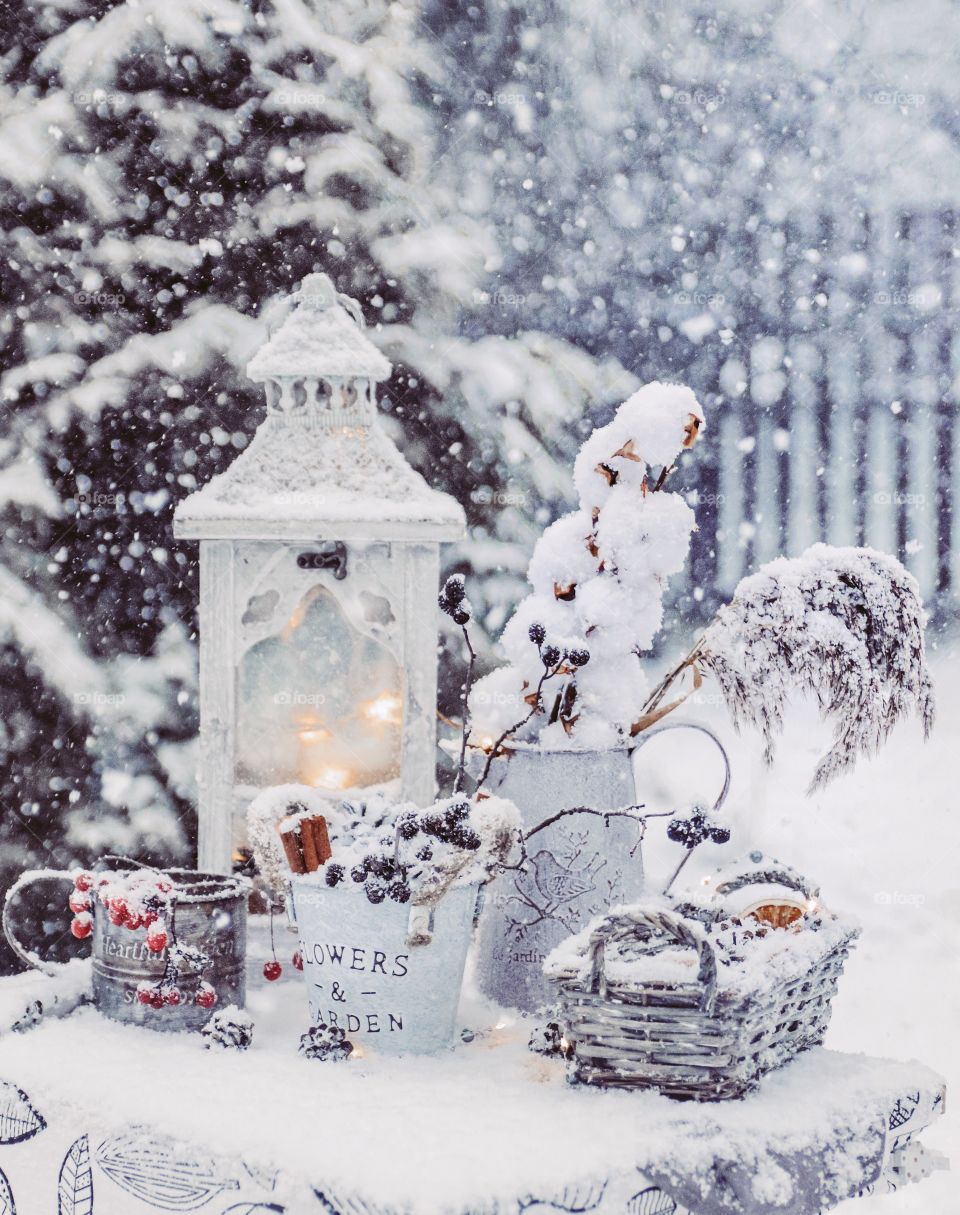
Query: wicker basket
[[691, 1040]]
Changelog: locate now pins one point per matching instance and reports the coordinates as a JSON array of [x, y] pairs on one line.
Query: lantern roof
[[321, 337], [320, 465]]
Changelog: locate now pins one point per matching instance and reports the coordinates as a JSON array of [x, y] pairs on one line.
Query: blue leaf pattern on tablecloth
[[575, 1199], [164, 1172], [255, 1208], [651, 1201], [18, 1119], [7, 1205], [75, 1185]]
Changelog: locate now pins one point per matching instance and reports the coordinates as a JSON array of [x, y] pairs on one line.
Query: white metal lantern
[[319, 568]]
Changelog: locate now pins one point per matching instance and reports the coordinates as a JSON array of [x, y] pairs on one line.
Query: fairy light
[[330, 777], [384, 708]]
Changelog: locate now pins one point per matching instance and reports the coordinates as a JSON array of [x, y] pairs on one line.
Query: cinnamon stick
[[291, 847], [316, 842]]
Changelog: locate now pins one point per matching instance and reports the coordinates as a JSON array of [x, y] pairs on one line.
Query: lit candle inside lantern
[[385, 708]]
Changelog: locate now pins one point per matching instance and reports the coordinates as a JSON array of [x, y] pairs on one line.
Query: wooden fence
[[835, 401]]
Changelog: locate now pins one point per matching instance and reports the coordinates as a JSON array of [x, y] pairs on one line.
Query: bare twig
[[465, 712], [688, 853]]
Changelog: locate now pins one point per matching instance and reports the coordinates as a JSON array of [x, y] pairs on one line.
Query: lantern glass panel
[[320, 703]]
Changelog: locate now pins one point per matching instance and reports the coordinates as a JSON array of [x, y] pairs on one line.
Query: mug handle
[[23, 881]]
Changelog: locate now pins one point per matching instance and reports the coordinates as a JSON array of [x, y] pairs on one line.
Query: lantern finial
[[317, 293]]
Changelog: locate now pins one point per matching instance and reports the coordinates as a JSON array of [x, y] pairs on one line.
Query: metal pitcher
[[210, 917], [574, 869]]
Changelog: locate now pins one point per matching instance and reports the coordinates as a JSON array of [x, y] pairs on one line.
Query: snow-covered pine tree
[[166, 168]]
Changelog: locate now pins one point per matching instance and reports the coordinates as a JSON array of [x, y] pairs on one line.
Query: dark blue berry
[[425, 853], [359, 873], [399, 892], [578, 658], [454, 589], [334, 874], [375, 893], [537, 634], [550, 655], [408, 827]]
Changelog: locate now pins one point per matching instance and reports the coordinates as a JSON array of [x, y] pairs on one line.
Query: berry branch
[[453, 601]]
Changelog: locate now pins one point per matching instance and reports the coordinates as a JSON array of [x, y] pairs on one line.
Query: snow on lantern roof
[[320, 465], [321, 337]]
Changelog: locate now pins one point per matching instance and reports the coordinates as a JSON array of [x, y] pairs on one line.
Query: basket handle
[[646, 735], [670, 927], [778, 876]]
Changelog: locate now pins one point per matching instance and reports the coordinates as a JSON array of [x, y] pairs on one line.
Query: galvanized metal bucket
[[210, 916], [387, 974]]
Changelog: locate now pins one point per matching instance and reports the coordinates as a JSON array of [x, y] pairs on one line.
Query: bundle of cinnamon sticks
[[306, 843]]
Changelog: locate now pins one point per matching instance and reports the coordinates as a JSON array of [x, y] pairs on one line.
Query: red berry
[[82, 925], [157, 940], [206, 996], [133, 922], [83, 881], [297, 960], [156, 1000], [272, 971], [144, 993], [164, 886], [118, 906], [78, 902], [118, 917], [173, 995], [149, 917]]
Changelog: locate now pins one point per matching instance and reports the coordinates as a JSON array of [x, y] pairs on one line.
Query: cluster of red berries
[[151, 903], [156, 995]]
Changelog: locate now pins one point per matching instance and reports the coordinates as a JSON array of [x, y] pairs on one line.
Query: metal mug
[[210, 915]]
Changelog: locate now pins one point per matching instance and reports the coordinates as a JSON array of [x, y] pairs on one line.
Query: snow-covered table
[[102, 1119]]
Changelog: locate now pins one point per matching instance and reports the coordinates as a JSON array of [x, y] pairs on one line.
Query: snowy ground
[[884, 844]]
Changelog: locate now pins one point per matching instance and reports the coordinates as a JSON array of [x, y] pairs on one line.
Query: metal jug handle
[[23, 953], [646, 735]]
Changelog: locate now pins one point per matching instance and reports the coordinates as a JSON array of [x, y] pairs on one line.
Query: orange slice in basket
[[774, 914]]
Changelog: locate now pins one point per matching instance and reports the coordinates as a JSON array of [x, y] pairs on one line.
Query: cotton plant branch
[[843, 624]]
